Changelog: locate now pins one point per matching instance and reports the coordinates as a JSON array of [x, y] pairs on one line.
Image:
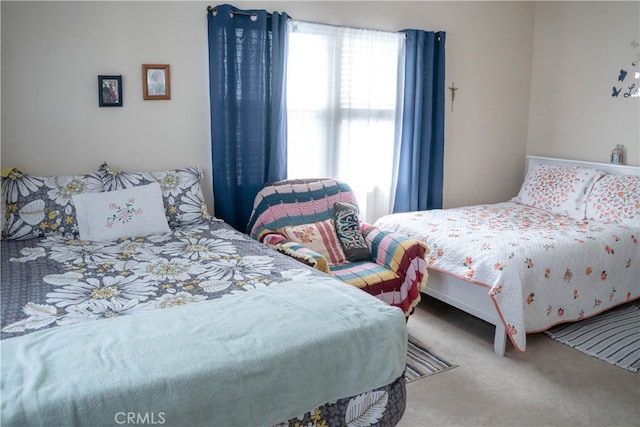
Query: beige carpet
[[550, 384]]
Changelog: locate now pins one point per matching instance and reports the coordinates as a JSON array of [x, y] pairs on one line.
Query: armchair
[[300, 218]]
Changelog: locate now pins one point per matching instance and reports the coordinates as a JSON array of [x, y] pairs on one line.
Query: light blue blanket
[[252, 359]]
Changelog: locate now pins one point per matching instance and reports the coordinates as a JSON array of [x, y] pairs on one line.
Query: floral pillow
[[3, 207], [35, 206], [561, 190], [181, 191], [615, 198], [134, 212], [320, 237]]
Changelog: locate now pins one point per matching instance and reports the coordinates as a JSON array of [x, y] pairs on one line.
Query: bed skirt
[[383, 406]]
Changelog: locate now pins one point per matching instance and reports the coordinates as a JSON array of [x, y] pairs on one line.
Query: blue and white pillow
[[36, 206], [348, 230]]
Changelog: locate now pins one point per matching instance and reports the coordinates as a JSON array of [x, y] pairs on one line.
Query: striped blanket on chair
[[297, 217]]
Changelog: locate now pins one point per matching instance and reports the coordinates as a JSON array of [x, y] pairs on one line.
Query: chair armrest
[[403, 255], [295, 250]]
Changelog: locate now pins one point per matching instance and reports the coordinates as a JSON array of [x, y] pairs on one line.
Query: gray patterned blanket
[[60, 280]]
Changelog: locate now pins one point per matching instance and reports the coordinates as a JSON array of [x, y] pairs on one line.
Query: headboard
[[606, 167]]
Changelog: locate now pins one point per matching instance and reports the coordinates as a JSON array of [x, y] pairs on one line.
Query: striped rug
[[613, 336], [422, 362]]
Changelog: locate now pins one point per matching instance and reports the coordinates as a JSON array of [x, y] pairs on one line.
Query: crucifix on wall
[[453, 90]]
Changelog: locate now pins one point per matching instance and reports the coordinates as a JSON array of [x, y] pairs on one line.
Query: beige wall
[[53, 51], [579, 50]]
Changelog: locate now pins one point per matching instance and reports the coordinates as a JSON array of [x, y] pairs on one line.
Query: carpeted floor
[[550, 384]]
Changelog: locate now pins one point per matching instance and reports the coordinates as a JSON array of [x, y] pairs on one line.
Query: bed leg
[[500, 340]]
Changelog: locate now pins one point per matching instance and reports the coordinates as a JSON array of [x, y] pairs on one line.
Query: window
[[344, 96]]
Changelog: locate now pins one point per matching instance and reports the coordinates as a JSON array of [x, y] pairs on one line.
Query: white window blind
[[344, 96]]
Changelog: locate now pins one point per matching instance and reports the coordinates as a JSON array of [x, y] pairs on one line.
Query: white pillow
[[561, 190], [615, 198], [134, 212]]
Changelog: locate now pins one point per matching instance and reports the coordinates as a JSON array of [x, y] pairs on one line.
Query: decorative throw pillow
[[561, 190], [35, 206], [133, 212], [3, 205], [181, 191], [348, 230], [320, 237], [615, 198]]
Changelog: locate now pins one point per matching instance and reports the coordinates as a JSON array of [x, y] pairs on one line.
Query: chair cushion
[[348, 230], [320, 237]]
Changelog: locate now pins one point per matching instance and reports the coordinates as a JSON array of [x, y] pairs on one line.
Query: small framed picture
[[110, 91], [156, 81]]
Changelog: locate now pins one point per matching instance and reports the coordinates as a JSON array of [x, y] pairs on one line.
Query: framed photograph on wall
[[156, 81], [110, 91]]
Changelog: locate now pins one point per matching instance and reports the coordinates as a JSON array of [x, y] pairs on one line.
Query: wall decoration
[[110, 91], [453, 90], [156, 81], [628, 89]]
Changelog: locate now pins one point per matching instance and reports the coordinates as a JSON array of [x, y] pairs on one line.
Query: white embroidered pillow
[[561, 190], [133, 212], [181, 191], [615, 198]]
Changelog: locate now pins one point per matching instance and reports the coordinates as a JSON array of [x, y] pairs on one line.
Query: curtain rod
[[436, 33], [350, 27], [255, 15], [233, 12]]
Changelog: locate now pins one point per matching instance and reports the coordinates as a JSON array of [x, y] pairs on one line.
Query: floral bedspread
[[540, 269], [73, 281]]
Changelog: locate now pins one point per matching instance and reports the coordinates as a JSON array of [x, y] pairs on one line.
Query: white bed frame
[[474, 299]]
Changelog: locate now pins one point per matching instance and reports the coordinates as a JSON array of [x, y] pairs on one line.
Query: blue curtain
[[247, 66], [421, 160]]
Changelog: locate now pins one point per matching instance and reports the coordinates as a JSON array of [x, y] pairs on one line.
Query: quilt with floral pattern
[[57, 280], [540, 269]]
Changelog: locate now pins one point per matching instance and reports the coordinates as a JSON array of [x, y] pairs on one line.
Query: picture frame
[[156, 81], [110, 91]]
